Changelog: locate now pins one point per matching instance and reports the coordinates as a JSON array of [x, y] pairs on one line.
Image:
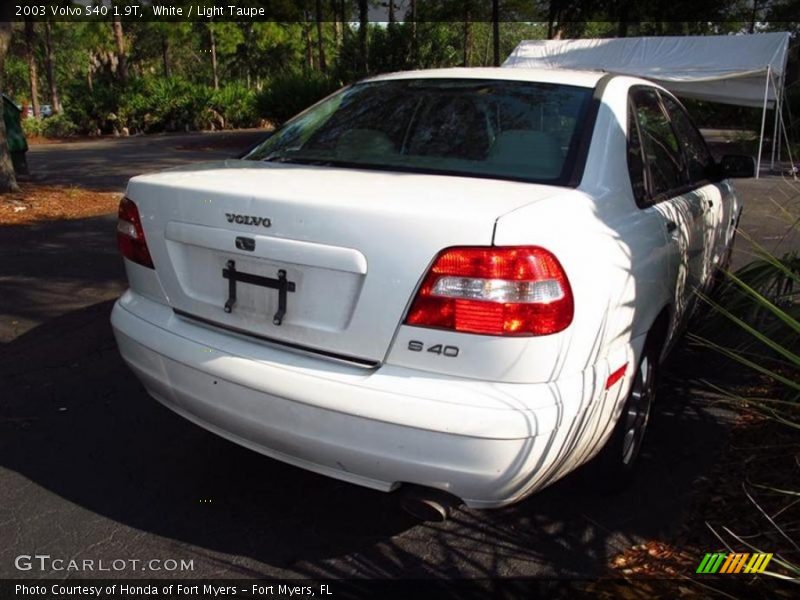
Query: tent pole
[[775, 130], [763, 122], [788, 147]]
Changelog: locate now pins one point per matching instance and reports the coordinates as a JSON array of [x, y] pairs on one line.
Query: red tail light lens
[[514, 291], [130, 235]]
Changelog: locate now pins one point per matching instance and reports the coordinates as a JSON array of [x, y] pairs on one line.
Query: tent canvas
[[746, 70]]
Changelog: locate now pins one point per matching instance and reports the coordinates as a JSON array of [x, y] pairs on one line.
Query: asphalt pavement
[[93, 469]]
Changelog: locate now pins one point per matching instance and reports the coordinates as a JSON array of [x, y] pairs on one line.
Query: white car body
[[337, 388]]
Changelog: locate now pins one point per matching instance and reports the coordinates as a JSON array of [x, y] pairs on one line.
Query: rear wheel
[[617, 460]]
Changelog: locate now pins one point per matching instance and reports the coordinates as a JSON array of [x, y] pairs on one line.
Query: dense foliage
[[139, 76]]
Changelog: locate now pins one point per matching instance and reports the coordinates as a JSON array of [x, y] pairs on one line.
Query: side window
[[662, 153], [695, 151], [636, 166]]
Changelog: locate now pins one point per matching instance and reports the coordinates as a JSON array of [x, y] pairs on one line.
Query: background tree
[[155, 76], [119, 39], [320, 40], [30, 54], [213, 48], [363, 33], [49, 60], [496, 32]]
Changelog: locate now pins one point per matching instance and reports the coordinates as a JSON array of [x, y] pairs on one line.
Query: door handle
[[672, 226]]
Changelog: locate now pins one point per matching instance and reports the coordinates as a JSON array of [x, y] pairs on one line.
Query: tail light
[[515, 290], [130, 235]]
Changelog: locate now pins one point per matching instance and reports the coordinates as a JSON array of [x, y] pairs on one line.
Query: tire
[[616, 462]]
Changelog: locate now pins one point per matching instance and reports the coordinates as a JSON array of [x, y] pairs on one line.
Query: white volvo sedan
[[460, 279]]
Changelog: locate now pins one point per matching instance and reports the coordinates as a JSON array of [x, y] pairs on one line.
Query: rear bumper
[[487, 443]]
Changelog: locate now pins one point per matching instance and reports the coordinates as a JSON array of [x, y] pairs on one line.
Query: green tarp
[[14, 135]]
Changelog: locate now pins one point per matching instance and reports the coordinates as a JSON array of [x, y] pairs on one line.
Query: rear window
[[505, 129]]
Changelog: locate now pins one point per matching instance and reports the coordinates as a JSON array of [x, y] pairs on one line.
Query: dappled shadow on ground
[[75, 422], [50, 268]]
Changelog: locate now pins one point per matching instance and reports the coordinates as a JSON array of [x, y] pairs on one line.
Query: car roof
[[586, 79]]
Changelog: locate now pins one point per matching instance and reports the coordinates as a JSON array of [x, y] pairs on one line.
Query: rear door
[[716, 197], [666, 192]]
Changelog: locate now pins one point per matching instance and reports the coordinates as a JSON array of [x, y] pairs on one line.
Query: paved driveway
[[109, 163], [91, 468]]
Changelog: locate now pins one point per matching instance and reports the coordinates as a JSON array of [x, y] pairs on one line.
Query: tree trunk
[[345, 20], [623, 15], [363, 26], [496, 31], [30, 55], [308, 65], [337, 24], [119, 38], [414, 22], [753, 17], [90, 68], [552, 16], [8, 180], [165, 54], [214, 71], [48, 62], [391, 12], [320, 42], [467, 27]]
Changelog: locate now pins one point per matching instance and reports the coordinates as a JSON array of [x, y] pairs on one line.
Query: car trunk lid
[[322, 259]]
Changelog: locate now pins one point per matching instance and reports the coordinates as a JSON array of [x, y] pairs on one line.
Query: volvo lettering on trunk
[[248, 220]]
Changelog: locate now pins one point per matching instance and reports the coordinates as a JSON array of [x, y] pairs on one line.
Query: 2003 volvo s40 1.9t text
[[462, 279]]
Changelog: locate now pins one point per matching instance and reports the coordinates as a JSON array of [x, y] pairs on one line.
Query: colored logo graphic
[[721, 562]]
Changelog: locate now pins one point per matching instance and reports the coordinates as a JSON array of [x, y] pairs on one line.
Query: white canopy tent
[[746, 70]]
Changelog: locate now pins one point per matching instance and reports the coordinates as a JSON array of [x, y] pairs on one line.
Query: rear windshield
[[485, 128]]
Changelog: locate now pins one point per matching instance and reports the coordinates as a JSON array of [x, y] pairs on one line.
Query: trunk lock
[[245, 243]]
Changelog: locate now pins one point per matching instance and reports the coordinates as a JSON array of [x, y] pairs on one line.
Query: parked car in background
[[45, 110], [462, 279]]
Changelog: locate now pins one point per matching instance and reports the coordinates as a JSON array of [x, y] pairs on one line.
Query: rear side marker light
[[508, 291], [130, 235], [616, 376]]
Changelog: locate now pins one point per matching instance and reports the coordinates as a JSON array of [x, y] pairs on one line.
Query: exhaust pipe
[[428, 504]]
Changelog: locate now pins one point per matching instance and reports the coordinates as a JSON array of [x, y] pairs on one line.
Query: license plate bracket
[[282, 284]]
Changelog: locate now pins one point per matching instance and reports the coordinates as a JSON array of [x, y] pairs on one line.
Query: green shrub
[[172, 104], [58, 126], [152, 105], [32, 127], [287, 95], [236, 104], [93, 110]]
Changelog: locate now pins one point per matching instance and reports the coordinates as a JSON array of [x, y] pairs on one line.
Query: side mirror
[[737, 165]]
